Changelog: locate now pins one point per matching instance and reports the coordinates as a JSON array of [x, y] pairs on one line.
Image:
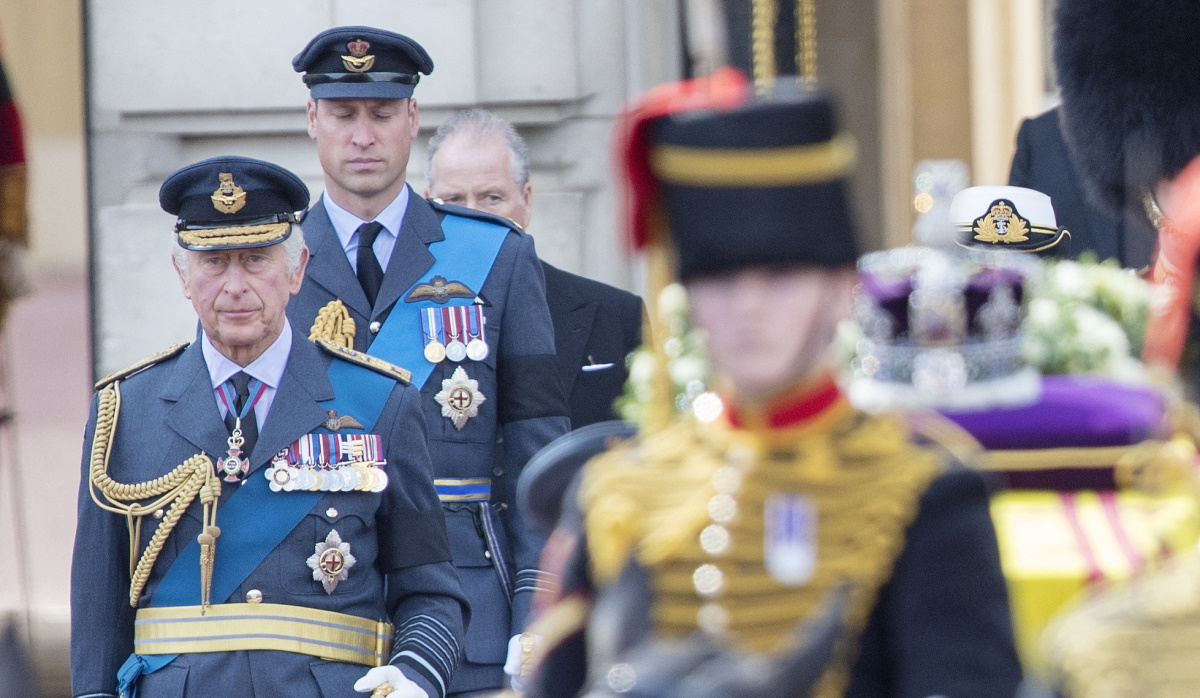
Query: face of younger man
[[363, 146], [770, 328]]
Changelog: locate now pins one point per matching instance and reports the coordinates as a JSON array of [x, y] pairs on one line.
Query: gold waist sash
[[262, 626]]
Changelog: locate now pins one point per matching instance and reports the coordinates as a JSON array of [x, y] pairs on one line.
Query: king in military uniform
[[257, 515], [456, 296], [775, 541]]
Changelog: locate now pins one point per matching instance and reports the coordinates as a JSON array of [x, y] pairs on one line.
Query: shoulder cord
[[196, 475], [333, 322]]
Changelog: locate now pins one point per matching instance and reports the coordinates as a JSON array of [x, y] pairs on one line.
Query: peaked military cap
[[231, 202], [1130, 77], [755, 180], [362, 63], [1010, 218]]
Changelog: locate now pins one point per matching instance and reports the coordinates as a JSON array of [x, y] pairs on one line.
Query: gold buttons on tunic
[[714, 539], [713, 619], [254, 596], [708, 580], [722, 508]]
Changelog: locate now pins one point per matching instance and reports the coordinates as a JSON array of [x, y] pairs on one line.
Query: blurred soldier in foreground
[[257, 515], [477, 159], [777, 542], [452, 294]]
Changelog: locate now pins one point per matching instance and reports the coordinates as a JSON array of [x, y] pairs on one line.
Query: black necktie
[[370, 274], [241, 387]]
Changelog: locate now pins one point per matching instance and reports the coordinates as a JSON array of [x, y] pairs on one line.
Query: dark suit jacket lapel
[[294, 411], [410, 257], [193, 410], [327, 264], [573, 317]]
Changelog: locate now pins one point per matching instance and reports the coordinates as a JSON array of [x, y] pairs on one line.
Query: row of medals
[[475, 349], [338, 477]]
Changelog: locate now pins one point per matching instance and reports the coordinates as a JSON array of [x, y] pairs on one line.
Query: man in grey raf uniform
[[257, 515], [456, 296]]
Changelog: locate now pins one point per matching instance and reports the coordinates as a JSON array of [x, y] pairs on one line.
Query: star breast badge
[[331, 562], [460, 398]]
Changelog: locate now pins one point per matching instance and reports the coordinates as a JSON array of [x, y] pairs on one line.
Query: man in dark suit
[[477, 159], [314, 548], [1042, 162], [454, 295]]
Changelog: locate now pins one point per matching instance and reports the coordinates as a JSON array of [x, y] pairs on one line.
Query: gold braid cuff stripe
[[240, 235], [763, 167], [195, 476], [263, 626]]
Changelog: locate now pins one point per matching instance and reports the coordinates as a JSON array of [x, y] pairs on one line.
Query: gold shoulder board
[[371, 362], [124, 373]]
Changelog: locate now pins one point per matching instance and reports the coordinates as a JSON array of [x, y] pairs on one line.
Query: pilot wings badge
[[439, 291], [335, 423]]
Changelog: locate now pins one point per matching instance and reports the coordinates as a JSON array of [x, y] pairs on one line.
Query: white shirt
[[268, 368], [345, 224]]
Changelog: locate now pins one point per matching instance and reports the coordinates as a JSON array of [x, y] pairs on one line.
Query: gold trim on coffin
[[652, 501], [762, 167], [263, 626], [237, 235]]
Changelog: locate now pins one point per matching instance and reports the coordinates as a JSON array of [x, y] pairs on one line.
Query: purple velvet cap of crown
[[891, 293], [1073, 412]]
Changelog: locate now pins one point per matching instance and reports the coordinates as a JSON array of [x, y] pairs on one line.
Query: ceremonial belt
[[478, 489], [263, 626], [466, 255]]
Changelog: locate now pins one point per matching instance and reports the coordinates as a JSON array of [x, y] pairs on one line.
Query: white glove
[[402, 686], [516, 658]]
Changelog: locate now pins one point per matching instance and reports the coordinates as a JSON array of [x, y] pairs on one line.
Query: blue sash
[[466, 254], [254, 520]]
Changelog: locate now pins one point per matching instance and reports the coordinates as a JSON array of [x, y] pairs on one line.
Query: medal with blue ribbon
[[233, 467], [790, 538]]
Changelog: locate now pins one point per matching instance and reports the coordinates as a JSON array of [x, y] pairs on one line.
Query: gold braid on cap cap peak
[[237, 235], [810, 163]]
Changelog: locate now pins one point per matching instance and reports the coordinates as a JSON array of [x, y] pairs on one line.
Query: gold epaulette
[[366, 360], [124, 373]]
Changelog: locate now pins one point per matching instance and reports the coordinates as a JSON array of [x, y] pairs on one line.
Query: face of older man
[[241, 296], [769, 329], [476, 172]]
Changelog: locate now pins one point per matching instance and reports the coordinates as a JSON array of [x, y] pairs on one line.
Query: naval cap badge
[[1002, 224], [229, 197], [460, 398], [331, 562], [358, 61]]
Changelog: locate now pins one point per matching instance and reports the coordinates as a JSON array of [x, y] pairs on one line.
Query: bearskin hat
[[1130, 77]]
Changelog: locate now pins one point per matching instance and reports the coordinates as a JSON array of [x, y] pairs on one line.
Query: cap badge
[[358, 61], [229, 197], [439, 291], [1002, 224], [460, 398]]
